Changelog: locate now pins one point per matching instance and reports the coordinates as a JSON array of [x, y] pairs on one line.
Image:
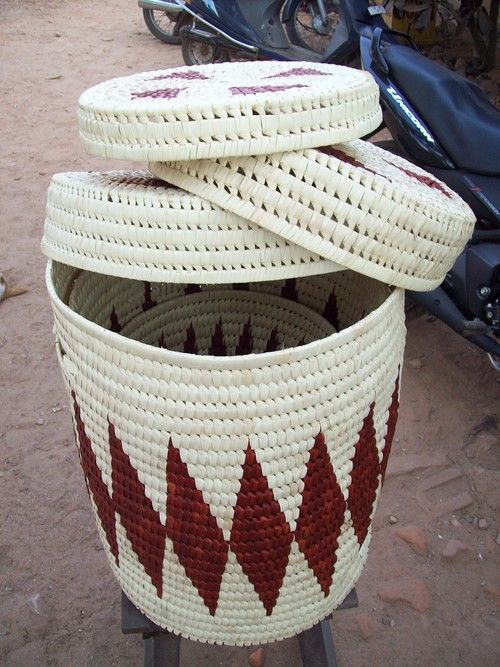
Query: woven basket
[[244, 108], [131, 225], [233, 494], [355, 204]]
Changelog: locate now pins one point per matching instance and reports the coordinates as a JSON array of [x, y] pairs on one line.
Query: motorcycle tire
[[300, 30], [162, 25], [195, 52]]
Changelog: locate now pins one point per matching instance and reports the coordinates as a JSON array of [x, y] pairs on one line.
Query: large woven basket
[[233, 494]]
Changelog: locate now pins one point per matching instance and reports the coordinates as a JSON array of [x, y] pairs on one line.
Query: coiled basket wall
[[234, 440]]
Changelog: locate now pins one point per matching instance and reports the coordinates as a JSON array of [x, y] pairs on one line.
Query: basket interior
[[221, 320]]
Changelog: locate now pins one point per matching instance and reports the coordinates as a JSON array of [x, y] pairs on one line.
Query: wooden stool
[[162, 648]]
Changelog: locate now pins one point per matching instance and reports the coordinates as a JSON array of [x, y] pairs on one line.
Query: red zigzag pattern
[[261, 537]]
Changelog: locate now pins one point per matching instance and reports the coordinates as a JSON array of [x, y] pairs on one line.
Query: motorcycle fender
[[170, 7], [288, 9]]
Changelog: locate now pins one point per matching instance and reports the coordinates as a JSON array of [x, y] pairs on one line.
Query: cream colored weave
[[283, 423], [244, 108], [354, 204], [131, 225]]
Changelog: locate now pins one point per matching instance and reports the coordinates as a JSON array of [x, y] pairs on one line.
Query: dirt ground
[[436, 603]]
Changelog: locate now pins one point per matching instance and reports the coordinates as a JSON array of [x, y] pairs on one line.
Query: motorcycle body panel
[[254, 23]]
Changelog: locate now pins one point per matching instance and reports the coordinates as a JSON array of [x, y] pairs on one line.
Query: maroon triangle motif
[[344, 157], [273, 342], [364, 478], [321, 515], [161, 340], [96, 488], [218, 346], [142, 523], [190, 346], [260, 537], [245, 342], [114, 323], [289, 290], [192, 289], [391, 427], [197, 539], [149, 302], [331, 313]]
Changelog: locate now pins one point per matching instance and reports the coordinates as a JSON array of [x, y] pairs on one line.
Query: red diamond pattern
[[321, 515], [140, 520], [364, 478], [197, 539], [95, 486], [260, 537], [391, 427]]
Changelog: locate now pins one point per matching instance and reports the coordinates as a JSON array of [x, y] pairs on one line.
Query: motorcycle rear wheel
[[301, 29], [163, 25], [195, 52]]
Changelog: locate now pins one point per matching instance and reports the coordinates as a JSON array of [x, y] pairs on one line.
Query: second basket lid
[[131, 225], [353, 203]]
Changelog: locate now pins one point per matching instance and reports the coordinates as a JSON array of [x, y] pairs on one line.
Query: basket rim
[[213, 363]]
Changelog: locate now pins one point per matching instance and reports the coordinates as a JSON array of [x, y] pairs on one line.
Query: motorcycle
[[440, 121], [161, 18]]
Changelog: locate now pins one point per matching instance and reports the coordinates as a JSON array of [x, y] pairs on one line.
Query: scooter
[[161, 18], [441, 122], [447, 125], [215, 30]]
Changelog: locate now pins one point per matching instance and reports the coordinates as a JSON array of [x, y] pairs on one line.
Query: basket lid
[[242, 108], [355, 204], [131, 225]]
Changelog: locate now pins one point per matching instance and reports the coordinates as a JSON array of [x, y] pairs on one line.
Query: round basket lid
[[243, 108], [131, 225], [355, 204]]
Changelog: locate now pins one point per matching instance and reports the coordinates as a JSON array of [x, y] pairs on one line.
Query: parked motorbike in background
[[161, 18], [440, 121]]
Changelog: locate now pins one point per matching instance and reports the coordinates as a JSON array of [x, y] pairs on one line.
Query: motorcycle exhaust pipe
[[170, 7]]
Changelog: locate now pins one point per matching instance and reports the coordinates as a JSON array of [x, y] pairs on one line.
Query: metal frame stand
[[162, 648]]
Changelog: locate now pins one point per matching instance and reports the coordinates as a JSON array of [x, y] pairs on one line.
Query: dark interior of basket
[[221, 319]]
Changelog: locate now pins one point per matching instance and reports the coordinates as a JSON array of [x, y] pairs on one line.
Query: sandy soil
[[58, 602]]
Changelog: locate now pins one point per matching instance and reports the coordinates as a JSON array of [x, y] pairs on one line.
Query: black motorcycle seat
[[457, 112]]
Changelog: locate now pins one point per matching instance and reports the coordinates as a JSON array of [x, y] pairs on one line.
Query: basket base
[[162, 648]]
